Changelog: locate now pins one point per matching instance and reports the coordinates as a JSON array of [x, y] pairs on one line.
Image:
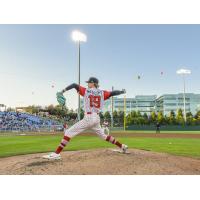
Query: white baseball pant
[[90, 121]]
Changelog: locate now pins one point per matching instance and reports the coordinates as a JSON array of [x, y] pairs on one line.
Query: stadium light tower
[[183, 73], [79, 37]]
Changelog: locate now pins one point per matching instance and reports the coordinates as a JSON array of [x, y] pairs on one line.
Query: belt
[[89, 113]]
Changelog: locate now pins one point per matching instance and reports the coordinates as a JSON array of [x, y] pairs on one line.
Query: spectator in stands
[[23, 121]]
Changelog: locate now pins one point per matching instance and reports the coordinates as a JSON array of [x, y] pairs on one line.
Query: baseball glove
[[60, 98]]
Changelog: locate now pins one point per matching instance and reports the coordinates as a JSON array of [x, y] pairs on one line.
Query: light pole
[[79, 37], [184, 72]]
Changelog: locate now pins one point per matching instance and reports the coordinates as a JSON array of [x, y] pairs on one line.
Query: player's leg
[[77, 128], [65, 127], [69, 133], [100, 132]]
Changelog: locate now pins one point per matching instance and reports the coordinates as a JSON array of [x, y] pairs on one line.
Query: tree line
[[136, 118]]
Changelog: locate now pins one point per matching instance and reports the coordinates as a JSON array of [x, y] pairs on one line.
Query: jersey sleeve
[[106, 94], [82, 90]]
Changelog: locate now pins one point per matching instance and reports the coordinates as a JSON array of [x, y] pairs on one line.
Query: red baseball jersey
[[93, 98]]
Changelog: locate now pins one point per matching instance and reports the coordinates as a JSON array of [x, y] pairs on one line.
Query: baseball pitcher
[[93, 103]]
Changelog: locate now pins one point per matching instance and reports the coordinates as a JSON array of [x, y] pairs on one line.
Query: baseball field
[[150, 153]]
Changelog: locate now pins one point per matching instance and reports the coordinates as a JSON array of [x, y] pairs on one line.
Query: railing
[[50, 128]]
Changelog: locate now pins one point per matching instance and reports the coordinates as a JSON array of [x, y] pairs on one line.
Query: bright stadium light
[[79, 37], [184, 72]]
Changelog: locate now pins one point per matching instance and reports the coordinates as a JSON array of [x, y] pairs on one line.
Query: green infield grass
[[19, 145]]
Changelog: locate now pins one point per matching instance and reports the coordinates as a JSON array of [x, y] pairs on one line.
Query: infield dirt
[[101, 162]]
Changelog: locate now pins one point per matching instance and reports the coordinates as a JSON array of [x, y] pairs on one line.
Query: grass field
[[18, 145], [127, 131]]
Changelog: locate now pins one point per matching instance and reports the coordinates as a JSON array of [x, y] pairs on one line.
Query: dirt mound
[[101, 161]]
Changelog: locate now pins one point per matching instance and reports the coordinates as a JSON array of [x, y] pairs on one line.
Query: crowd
[[16, 121]]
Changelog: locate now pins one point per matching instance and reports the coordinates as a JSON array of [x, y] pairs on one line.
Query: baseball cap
[[93, 80]]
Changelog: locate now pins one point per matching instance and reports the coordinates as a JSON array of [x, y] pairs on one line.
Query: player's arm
[[108, 94], [72, 86], [60, 97], [79, 89], [117, 92]]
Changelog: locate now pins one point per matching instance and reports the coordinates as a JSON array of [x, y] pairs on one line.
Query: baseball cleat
[[124, 148], [52, 156]]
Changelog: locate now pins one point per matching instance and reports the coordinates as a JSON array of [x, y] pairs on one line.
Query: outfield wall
[[164, 128]]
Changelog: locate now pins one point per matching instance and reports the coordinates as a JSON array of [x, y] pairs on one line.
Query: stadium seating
[[15, 121]]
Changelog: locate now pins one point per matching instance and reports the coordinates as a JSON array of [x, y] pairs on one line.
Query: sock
[[63, 143], [112, 140]]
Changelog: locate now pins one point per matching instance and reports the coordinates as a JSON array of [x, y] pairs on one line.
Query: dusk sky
[[33, 58]]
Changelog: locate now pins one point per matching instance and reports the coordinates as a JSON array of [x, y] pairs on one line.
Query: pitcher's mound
[[101, 161]]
